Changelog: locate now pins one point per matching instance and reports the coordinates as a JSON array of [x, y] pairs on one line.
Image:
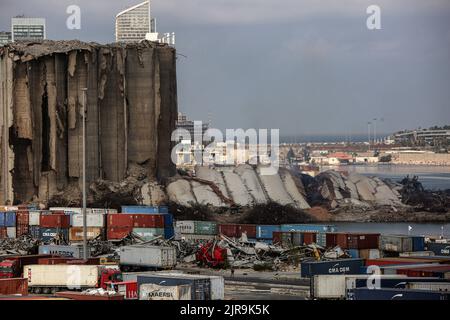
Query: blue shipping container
[[266, 231], [439, 249], [169, 232], [354, 253], [418, 243], [145, 209], [341, 266], [168, 220], [34, 232], [10, 219], [307, 228], [397, 294], [2, 219]]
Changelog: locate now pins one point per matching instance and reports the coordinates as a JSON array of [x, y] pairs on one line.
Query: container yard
[[144, 253]]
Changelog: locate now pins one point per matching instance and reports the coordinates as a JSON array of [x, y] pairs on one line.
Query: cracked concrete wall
[[131, 113]]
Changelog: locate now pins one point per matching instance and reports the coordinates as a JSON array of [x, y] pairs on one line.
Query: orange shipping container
[[14, 286]]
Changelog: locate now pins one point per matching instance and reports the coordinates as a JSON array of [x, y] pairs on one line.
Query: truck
[[12, 266], [145, 257], [53, 278]]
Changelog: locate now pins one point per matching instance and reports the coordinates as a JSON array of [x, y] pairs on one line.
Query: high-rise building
[[5, 37], [136, 24], [27, 29]]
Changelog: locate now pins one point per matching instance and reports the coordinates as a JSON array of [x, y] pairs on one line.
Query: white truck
[[52, 278]]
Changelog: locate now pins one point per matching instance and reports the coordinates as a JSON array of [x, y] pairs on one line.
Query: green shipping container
[[205, 227], [149, 233]]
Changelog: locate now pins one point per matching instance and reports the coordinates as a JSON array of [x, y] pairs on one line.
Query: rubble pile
[[353, 191], [19, 246], [415, 195]]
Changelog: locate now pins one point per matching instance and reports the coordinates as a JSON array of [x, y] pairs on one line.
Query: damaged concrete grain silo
[[131, 113]]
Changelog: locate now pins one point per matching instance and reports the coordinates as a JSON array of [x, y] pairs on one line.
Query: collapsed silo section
[[127, 109]]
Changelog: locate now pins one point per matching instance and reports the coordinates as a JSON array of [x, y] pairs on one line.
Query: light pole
[[85, 253], [374, 131], [368, 132]]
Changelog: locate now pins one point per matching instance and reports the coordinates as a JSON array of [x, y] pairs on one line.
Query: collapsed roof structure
[[131, 113]]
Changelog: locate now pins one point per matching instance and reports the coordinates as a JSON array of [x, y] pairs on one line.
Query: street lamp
[[85, 253]]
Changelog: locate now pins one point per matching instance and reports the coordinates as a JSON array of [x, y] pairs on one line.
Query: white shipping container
[[197, 237], [217, 282], [150, 291], [148, 256], [92, 220], [429, 286], [33, 218], [335, 286], [11, 232], [61, 275], [417, 254], [185, 226]]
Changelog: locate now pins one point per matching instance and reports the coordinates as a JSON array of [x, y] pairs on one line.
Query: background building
[[136, 24], [27, 29], [5, 37]]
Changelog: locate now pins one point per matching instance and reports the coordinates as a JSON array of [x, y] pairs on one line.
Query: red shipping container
[[51, 261], [3, 233], [54, 221], [353, 240], [22, 217], [309, 237], [148, 221], [14, 286], [277, 237], [117, 233], [424, 271], [22, 229], [119, 220], [332, 240], [236, 230]]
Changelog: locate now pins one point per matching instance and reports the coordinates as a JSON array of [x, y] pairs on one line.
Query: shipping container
[[11, 232], [147, 220], [118, 233], [54, 221], [335, 286], [145, 209], [119, 220], [96, 220], [439, 249], [398, 294], [396, 243], [217, 283], [14, 286], [395, 269], [309, 237], [321, 239], [35, 232], [64, 276], [436, 270], [417, 254], [389, 281], [74, 251], [3, 233], [185, 226], [197, 237], [151, 291], [168, 220], [48, 234], [34, 218], [266, 231], [369, 253], [398, 261], [22, 217], [418, 243], [288, 239], [307, 228], [353, 253], [429, 286], [169, 232], [143, 256], [353, 240], [200, 287], [10, 219], [77, 233], [341, 266], [148, 234], [205, 227], [236, 230]]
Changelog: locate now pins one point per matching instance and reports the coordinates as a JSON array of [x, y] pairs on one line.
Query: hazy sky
[[303, 66]]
